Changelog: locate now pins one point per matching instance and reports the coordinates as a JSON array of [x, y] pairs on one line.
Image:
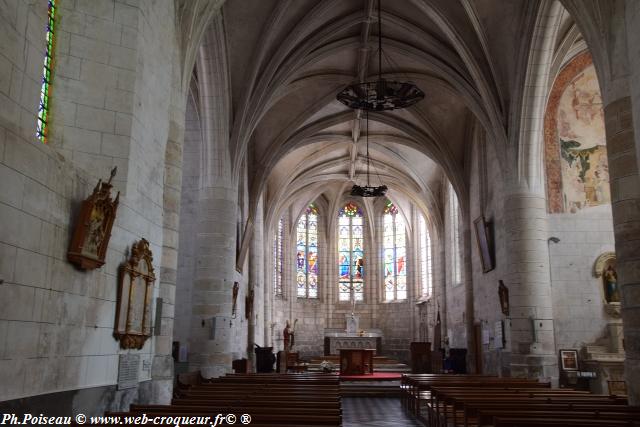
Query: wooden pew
[[270, 399], [479, 401]]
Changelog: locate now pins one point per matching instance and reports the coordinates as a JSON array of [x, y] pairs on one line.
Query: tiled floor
[[375, 412]]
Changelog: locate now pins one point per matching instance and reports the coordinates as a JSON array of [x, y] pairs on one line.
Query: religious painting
[[135, 290], [484, 240], [569, 360], [90, 240], [577, 135]]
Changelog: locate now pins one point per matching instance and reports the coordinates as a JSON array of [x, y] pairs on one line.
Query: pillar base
[[541, 366]]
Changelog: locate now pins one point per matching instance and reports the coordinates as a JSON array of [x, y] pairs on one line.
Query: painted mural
[[581, 140]]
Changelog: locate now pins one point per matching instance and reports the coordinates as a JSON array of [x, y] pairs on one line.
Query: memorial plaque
[[128, 369], [499, 335]]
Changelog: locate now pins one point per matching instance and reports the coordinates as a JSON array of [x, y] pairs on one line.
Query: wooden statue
[[289, 335], [91, 236], [234, 298], [248, 304], [503, 293]]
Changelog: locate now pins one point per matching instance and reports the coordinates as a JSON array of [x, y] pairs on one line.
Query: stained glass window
[[395, 254], [277, 252], [43, 109], [425, 259], [307, 254], [351, 252], [454, 217]]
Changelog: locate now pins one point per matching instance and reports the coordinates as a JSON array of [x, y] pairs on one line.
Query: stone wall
[[455, 292], [56, 334], [578, 297], [486, 200]]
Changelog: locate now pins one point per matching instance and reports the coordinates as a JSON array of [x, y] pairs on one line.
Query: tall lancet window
[[351, 252], [395, 267], [426, 269], [454, 219], [277, 261], [307, 253], [47, 68]]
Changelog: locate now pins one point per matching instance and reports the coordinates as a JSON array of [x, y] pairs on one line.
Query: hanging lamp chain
[[379, 42]]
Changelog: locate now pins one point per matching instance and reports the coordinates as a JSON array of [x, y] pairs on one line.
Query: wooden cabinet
[[356, 361]]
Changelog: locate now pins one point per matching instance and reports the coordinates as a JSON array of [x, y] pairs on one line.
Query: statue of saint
[[610, 278], [289, 335]]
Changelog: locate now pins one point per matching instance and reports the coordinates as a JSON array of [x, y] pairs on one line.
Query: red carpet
[[376, 376]]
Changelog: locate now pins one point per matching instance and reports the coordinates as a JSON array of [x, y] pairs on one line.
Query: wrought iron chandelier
[[382, 94], [379, 95]]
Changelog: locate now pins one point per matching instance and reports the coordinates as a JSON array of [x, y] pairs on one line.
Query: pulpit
[[356, 361]]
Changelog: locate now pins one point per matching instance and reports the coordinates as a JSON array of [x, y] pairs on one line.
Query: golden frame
[[135, 290]]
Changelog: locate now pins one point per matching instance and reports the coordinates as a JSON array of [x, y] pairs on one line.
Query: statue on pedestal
[[611, 284], [289, 335]]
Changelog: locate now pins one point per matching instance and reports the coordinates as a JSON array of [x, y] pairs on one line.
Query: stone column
[[625, 203], [256, 283], [533, 352], [468, 296], [211, 331], [162, 372]]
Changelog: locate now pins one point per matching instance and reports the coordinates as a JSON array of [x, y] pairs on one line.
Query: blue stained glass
[[307, 253], [351, 263], [394, 253]]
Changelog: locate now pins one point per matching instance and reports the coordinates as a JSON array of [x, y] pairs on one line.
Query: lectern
[[356, 361]]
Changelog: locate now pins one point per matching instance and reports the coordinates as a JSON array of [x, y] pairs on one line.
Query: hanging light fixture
[[379, 95], [382, 94], [368, 190]]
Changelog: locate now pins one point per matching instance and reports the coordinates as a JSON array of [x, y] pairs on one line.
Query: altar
[[336, 340]]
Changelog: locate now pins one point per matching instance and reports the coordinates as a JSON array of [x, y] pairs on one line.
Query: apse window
[[426, 275], [351, 253], [454, 220], [42, 130], [277, 264], [395, 267], [307, 253]]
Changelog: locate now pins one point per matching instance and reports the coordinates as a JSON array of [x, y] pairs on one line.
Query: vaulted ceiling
[[287, 60]]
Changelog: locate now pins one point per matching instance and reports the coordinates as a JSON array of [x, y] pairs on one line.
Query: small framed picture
[[569, 360]]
